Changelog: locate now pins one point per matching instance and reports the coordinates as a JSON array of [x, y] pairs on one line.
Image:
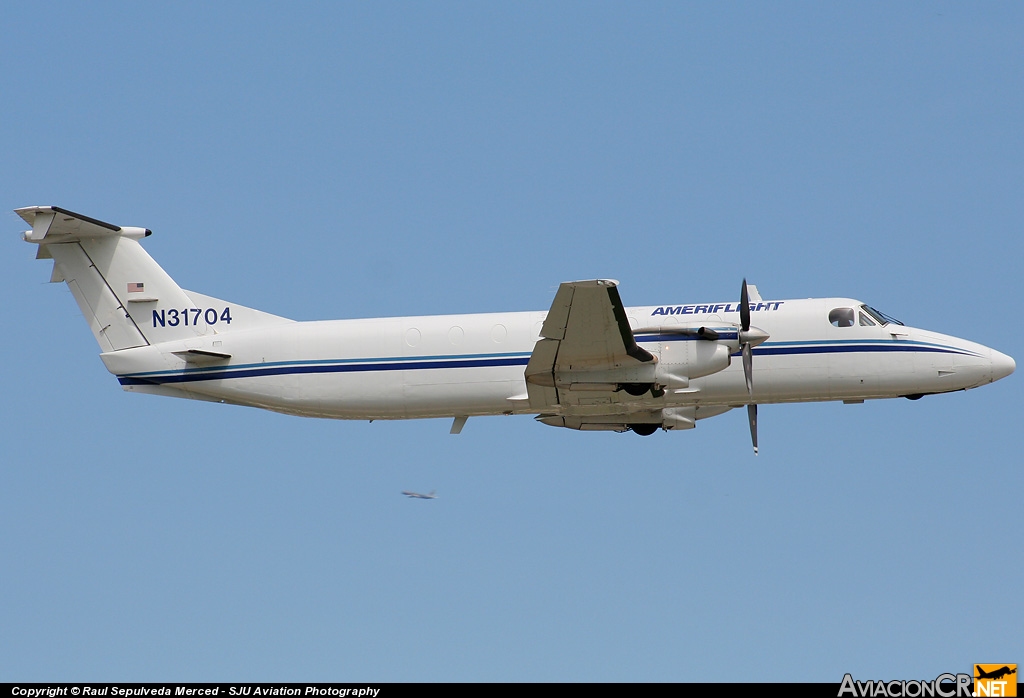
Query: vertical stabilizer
[[126, 297]]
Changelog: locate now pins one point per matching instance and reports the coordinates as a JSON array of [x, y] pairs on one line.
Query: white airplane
[[417, 495], [588, 363]]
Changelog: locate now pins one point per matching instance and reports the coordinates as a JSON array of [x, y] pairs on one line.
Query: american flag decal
[[136, 288]]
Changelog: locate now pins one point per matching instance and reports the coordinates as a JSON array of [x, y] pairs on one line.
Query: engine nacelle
[[693, 359]]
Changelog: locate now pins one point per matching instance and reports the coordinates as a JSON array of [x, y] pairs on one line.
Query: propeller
[[748, 355], [752, 418], [748, 339]]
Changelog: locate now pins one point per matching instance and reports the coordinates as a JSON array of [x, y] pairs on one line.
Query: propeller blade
[[746, 337], [744, 308], [748, 368], [752, 417]]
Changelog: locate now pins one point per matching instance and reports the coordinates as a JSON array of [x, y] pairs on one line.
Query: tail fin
[[128, 300]]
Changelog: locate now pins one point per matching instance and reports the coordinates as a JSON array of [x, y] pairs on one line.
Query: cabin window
[[865, 321], [841, 317]]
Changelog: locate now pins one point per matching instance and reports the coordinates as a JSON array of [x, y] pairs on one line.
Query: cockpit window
[[865, 321], [841, 317], [878, 315]]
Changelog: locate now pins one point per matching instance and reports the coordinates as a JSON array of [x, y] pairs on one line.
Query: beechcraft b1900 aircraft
[[587, 363]]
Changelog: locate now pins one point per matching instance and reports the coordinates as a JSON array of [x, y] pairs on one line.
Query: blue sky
[[328, 160]]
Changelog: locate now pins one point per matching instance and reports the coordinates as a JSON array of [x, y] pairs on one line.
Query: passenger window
[[841, 317], [865, 321]]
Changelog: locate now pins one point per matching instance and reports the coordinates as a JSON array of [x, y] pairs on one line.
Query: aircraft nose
[[1002, 365]]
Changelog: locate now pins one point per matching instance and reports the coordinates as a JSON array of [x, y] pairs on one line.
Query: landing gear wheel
[[644, 429], [637, 389]]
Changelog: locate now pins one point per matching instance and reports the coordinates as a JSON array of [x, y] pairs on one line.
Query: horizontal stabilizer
[[55, 224], [199, 356]]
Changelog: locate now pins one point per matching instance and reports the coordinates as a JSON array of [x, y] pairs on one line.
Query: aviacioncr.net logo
[[995, 680], [943, 686]]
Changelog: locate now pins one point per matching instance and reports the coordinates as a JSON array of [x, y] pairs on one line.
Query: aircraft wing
[[585, 342]]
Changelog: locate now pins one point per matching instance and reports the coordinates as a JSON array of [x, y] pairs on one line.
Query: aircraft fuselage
[[449, 365]]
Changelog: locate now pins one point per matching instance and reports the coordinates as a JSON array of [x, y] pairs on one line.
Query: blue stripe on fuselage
[[320, 366], [846, 349], [325, 366]]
